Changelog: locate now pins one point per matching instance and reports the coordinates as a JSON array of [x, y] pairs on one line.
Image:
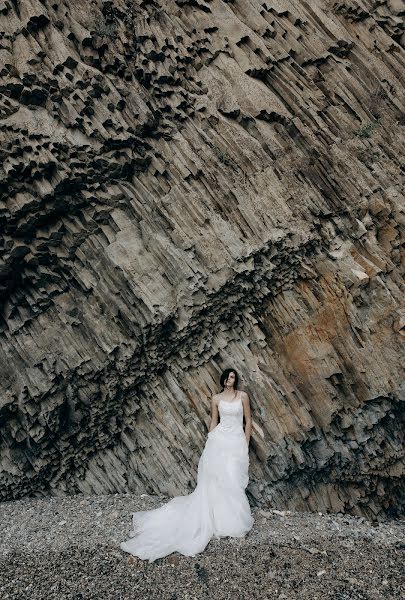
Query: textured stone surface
[[187, 186]]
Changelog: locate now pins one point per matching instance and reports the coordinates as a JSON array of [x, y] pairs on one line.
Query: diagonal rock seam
[[46, 426], [186, 186]]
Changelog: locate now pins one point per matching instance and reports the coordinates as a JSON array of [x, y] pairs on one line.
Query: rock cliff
[[188, 185]]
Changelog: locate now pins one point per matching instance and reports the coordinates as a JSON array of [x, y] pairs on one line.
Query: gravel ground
[[68, 548]]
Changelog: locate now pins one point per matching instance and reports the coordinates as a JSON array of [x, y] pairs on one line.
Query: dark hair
[[224, 376]]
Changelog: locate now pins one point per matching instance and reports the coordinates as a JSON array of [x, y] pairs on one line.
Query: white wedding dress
[[218, 506]]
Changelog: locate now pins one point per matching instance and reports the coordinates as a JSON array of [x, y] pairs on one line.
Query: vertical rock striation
[[187, 186]]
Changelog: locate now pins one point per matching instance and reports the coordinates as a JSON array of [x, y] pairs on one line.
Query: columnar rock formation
[[187, 186]]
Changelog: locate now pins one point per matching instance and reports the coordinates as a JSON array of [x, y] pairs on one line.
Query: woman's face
[[231, 379]]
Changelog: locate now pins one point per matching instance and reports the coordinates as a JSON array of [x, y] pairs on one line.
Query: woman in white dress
[[218, 506]]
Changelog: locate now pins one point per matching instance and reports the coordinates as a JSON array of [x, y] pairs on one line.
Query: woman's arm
[[248, 416], [214, 413]]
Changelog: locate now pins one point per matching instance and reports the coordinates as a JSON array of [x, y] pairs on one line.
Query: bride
[[218, 506]]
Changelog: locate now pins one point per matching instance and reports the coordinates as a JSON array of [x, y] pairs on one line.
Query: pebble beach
[[68, 548]]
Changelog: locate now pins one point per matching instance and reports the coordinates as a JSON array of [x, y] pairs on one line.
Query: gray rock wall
[[187, 186]]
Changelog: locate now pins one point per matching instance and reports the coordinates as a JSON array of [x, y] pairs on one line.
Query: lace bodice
[[231, 414]]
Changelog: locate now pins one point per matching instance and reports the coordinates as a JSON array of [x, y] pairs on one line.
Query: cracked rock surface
[[187, 186]]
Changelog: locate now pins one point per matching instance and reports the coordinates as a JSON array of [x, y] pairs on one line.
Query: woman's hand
[[248, 416], [214, 413]]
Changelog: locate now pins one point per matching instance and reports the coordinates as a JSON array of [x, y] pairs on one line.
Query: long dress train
[[218, 506]]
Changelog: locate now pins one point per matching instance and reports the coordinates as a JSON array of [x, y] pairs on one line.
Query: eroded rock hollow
[[187, 186]]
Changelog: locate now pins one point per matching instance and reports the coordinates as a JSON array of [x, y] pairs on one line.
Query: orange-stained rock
[[189, 186]]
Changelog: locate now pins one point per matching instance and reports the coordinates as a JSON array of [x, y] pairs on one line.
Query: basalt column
[[187, 186]]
